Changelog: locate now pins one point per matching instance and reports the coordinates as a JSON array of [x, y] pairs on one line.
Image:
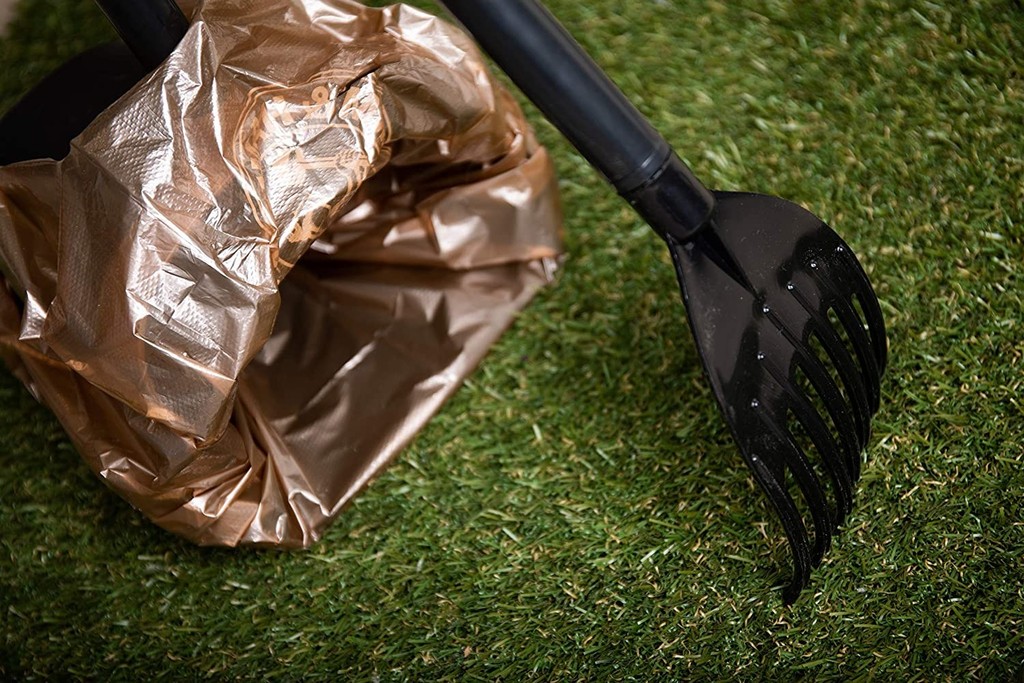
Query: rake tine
[[841, 360], [836, 406], [792, 524], [849, 374], [862, 347], [842, 304], [810, 487], [869, 305], [831, 453]]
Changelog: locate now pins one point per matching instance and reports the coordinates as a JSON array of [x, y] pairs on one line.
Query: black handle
[[574, 93], [150, 28]]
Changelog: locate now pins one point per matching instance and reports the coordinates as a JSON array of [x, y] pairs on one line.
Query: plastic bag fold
[[263, 269]]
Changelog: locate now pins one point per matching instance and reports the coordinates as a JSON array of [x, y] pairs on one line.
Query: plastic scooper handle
[[574, 93]]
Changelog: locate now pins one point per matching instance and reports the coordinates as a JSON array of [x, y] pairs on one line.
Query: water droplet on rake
[[755, 403], [760, 355], [814, 264], [840, 249], [765, 309], [790, 286]]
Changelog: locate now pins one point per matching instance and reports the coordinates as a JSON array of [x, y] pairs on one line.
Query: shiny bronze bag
[[261, 271]]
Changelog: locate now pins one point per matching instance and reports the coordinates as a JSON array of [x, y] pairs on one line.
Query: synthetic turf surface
[[578, 511]]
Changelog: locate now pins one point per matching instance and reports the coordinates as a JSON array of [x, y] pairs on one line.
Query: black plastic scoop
[[788, 328]]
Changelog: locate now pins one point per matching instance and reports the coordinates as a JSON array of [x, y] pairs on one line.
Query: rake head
[[792, 339]]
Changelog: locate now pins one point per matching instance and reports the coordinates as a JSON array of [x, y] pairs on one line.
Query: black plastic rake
[[787, 325]]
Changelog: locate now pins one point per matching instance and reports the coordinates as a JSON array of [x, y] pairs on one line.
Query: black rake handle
[[572, 91]]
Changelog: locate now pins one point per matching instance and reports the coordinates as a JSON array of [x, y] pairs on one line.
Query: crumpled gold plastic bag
[[155, 298]]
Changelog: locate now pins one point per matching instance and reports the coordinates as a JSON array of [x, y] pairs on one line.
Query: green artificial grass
[[578, 511]]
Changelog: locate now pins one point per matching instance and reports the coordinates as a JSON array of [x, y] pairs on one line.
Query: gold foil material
[[260, 272]]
